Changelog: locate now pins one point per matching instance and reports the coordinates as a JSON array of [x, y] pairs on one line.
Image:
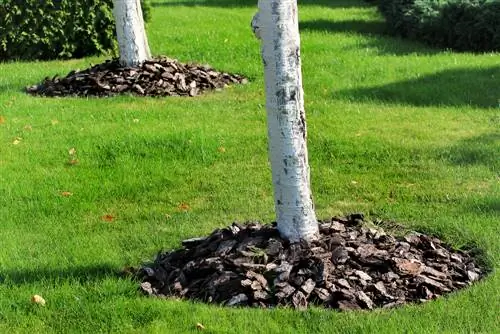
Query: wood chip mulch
[[158, 77], [353, 265]]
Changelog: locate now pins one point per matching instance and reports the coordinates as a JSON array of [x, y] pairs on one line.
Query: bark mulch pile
[[158, 77], [353, 265]]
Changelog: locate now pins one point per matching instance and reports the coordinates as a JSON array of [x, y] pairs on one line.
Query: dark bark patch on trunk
[[302, 124]]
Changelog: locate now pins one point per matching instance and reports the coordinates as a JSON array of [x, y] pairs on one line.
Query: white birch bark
[[130, 32], [277, 25]]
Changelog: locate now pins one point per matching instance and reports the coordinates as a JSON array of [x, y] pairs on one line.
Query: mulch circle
[[353, 265], [157, 77]]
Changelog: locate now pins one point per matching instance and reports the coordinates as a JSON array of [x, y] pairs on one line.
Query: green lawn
[[396, 130]]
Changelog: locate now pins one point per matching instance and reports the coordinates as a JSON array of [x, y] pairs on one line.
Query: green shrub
[[48, 29], [472, 25], [463, 25], [146, 10]]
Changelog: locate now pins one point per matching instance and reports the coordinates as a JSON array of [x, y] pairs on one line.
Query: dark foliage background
[[462, 25], [49, 29]]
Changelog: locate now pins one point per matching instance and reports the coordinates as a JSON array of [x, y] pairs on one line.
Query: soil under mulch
[[158, 77], [353, 265]]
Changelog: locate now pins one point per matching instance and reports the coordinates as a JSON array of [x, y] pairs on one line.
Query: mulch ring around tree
[[157, 77], [354, 265]]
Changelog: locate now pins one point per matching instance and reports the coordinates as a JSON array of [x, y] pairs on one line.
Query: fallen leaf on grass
[[108, 218], [200, 326], [2, 119], [72, 156], [222, 149], [17, 140], [36, 299], [66, 194], [183, 207]]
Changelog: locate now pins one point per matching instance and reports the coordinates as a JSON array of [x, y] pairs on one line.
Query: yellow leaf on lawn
[[36, 299], [72, 151], [200, 326], [17, 140]]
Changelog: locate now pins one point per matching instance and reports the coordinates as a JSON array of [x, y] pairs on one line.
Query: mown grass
[[396, 130]]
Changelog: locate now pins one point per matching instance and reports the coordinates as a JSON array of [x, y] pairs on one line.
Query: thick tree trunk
[[130, 32], [277, 25]]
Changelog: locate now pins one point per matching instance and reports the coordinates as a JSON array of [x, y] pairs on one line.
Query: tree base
[[157, 77], [353, 265]]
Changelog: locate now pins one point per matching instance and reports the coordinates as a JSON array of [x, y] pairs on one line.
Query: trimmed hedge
[[49, 29], [462, 25]]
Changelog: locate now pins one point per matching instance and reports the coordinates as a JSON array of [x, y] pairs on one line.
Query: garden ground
[[89, 186]]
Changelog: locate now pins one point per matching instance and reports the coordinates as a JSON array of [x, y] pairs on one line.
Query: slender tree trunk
[[130, 32], [277, 25]]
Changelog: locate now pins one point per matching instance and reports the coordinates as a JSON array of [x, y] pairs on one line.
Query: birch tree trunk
[[130, 32], [277, 25]]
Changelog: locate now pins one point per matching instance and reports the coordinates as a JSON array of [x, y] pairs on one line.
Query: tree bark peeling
[[277, 26]]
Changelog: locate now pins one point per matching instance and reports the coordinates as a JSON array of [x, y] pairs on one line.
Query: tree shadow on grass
[[4, 88], [487, 206], [383, 42], [79, 274], [357, 26], [483, 150], [253, 3], [476, 87], [480, 150]]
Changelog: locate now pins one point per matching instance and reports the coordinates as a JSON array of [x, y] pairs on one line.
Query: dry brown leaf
[[66, 194], [108, 218], [200, 326], [73, 162], [36, 299], [183, 207]]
